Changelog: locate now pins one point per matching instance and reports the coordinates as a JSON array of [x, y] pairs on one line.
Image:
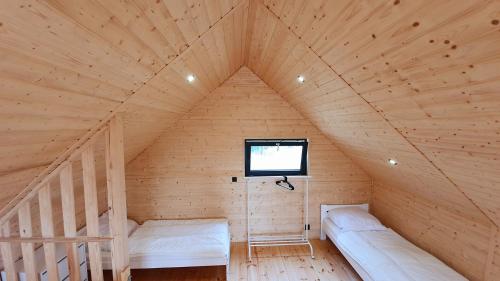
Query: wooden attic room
[[249, 140]]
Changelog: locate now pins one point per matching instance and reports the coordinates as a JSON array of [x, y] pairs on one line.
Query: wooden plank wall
[[67, 65], [343, 115], [411, 80], [187, 172], [414, 80], [460, 242], [430, 69], [493, 270]]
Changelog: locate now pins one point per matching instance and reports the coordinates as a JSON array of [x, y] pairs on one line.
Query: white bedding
[[178, 243], [384, 256]]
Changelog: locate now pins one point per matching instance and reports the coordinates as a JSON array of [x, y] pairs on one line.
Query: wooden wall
[[413, 80], [427, 70], [187, 172], [67, 66], [410, 80], [494, 270], [460, 242]]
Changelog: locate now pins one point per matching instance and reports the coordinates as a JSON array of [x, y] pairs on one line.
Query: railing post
[[115, 172], [47, 225], [91, 212], [26, 231], [69, 219], [7, 257]]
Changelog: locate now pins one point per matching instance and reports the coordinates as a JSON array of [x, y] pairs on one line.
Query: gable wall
[[187, 172]]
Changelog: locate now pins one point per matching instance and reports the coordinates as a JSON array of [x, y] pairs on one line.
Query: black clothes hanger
[[285, 184]]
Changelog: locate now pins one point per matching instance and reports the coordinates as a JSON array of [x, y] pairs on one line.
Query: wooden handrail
[[58, 239], [26, 195], [117, 212]]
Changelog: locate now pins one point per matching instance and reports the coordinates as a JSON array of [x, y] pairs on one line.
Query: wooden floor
[[269, 264]]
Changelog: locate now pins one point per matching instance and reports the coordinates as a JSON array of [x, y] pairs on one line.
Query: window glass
[[275, 158]]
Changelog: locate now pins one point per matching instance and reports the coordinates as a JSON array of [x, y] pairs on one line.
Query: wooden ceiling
[[413, 80], [67, 66]]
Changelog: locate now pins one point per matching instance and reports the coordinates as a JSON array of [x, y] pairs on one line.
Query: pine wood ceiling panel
[[461, 243], [361, 131], [66, 65], [430, 68]]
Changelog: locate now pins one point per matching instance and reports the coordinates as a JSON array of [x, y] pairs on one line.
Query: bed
[[173, 243], [378, 253]]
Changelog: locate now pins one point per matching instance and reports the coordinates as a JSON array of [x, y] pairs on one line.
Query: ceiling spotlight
[[300, 79], [392, 162], [190, 78]]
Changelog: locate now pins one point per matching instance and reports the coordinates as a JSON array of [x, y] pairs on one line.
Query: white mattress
[[385, 255], [178, 243]]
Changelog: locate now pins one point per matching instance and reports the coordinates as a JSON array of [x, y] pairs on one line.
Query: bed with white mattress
[[177, 243], [378, 253], [173, 243]]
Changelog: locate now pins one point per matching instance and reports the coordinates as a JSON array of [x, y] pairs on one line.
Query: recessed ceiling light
[[301, 79], [392, 162], [190, 78]]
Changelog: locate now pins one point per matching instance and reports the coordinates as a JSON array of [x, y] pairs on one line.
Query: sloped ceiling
[[67, 66], [414, 80]]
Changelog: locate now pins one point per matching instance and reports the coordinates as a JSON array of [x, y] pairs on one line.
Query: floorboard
[[269, 264]]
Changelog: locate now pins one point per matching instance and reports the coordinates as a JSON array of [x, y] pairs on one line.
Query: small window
[[273, 157]]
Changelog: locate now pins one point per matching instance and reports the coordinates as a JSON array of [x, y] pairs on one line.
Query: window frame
[[272, 142]]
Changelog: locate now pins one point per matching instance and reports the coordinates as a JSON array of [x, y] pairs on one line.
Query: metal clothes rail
[[255, 240]]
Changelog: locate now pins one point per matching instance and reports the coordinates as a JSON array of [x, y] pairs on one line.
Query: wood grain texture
[[461, 243], [91, 213], [344, 115], [65, 76], [412, 80], [28, 249], [8, 259], [68, 65], [47, 229], [117, 207], [493, 269], [272, 264], [187, 172], [429, 69], [69, 219]]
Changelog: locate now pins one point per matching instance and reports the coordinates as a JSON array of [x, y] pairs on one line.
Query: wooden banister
[[31, 191], [91, 212], [7, 256], [64, 240], [115, 173], [69, 220], [28, 251], [47, 225]]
